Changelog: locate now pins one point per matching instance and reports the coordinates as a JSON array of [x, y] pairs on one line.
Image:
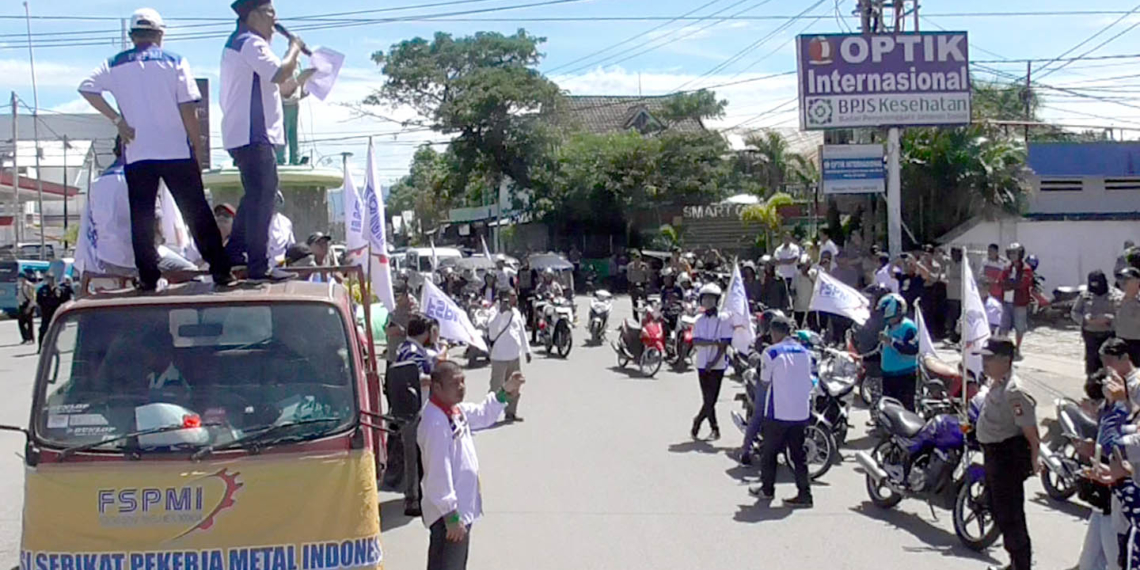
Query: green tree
[[480, 88], [767, 215], [424, 189], [699, 105]]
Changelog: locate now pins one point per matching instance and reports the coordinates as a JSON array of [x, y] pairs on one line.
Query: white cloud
[[17, 73]]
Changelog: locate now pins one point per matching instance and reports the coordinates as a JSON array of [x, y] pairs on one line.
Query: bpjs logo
[[195, 506]]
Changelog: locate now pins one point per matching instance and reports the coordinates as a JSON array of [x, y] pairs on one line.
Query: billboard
[[853, 169], [910, 79]]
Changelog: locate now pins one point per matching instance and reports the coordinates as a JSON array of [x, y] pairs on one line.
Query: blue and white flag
[[736, 305], [836, 297], [355, 216], [925, 342], [381, 270], [453, 321]]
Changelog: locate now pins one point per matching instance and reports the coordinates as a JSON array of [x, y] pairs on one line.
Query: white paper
[[327, 62]]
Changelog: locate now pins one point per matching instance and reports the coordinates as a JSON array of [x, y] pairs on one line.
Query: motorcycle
[[480, 311], [553, 328], [643, 343], [600, 307], [837, 373], [679, 350], [931, 460], [1061, 465]]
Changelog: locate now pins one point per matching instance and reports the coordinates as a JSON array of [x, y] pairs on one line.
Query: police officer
[[158, 97], [1007, 430], [252, 126]]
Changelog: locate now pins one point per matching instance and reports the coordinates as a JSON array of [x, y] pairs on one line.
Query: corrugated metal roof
[[610, 114], [1085, 159]]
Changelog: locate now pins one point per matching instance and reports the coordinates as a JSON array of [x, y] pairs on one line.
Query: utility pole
[[17, 217], [66, 199], [36, 133], [1028, 97]]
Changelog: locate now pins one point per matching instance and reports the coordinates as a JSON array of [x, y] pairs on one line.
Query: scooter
[[681, 344], [643, 343], [1061, 465], [553, 328], [600, 307]]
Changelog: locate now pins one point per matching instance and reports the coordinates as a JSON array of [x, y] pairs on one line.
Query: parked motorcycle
[[600, 307], [643, 343], [480, 311], [837, 373], [554, 325], [931, 460], [1061, 465]]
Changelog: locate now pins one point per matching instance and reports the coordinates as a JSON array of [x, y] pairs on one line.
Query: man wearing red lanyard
[[1017, 284], [451, 497]]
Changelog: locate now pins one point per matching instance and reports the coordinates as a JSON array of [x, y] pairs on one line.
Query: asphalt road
[[603, 474]]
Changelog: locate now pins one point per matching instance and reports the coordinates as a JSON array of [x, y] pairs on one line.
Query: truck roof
[[199, 293]]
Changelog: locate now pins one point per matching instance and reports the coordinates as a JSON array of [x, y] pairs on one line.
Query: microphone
[[281, 30]]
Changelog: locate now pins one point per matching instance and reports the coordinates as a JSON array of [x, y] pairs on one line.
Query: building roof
[[79, 127], [1108, 159], [602, 114], [28, 185]]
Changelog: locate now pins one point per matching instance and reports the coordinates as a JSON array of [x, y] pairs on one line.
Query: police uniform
[[1006, 410], [150, 85]]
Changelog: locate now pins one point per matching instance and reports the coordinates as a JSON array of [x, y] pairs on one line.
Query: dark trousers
[[1007, 465], [444, 554], [258, 166], [801, 318], [1093, 340], [777, 437], [953, 313], [45, 320], [710, 392], [24, 321], [900, 387], [184, 180]]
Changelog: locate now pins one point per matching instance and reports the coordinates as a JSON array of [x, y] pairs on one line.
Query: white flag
[[86, 248], [736, 305], [453, 321], [925, 343], [381, 277], [833, 296], [175, 233], [355, 216], [975, 327], [486, 252]]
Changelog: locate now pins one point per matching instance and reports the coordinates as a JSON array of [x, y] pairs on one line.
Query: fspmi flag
[[833, 296], [925, 342], [736, 305], [453, 321], [381, 277], [355, 214], [975, 326]]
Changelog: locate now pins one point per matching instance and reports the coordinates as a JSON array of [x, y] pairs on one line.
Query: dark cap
[[244, 7], [225, 209], [1128, 273], [999, 347], [317, 236], [782, 325], [297, 252]]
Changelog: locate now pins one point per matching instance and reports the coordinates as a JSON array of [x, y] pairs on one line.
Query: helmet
[[684, 278], [1032, 262], [549, 271], [892, 305], [666, 272], [767, 259], [1015, 247], [711, 289], [767, 317]]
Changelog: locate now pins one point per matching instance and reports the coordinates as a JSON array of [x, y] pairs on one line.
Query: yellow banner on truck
[[270, 512]]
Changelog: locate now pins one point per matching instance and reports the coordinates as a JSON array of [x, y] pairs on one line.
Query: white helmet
[[684, 278], [711, 289]]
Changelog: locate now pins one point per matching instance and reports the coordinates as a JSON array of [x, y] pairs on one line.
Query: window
[[1131, 183], [1062, 184]]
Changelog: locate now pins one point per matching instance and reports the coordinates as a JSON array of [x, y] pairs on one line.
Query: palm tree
[[771, 155], [767, 215]]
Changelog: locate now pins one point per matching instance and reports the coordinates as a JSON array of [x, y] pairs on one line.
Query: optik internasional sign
[[853, 80]]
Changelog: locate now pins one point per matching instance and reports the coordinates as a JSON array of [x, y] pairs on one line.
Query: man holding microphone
[[252, 125], [158, 98]]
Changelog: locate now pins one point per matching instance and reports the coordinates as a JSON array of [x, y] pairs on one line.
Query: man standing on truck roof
[[158, 97]]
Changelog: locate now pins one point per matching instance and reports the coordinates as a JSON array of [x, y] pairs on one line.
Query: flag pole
[[962, 335], [369, 279]]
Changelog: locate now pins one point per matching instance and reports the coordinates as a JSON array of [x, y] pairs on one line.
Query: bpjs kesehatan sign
[[850, 80]]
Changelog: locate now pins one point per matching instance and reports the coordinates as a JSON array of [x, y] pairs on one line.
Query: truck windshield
[[221, 372]]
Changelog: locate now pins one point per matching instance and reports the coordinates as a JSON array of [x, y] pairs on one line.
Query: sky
[[592, 47]]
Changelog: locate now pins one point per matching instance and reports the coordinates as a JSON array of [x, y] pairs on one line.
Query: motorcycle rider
[[490, 287], [549, 288], [712, 334], [1094, 312], [1017, 283], [785, 369], [1007, 430], [899, 351]]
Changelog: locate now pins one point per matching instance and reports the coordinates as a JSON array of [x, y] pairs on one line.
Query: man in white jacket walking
[[507, 331], [451, 498]]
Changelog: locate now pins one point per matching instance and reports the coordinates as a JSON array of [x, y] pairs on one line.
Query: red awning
[[29, 184]]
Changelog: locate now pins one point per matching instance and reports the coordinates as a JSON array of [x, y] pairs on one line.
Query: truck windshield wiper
[[68, 452], [256, 439]]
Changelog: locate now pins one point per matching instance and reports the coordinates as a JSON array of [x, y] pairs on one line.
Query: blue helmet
[[892, 305], [1032, 262]]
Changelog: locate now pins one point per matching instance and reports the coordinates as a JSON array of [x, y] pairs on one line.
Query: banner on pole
[[736, 305], [381, 270], [833, 296], [453, 321]]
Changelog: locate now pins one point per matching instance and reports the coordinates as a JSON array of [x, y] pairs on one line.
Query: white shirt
[[993, 311], [451, 467], [149, 84], [508, 330], [106, 226], [280, 237], [834, 249], [716, 328], [250, 100], [785, 252], [786, 368], [885, 277]]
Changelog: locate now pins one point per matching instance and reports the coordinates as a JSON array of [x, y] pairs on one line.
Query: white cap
[[147, 19]]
